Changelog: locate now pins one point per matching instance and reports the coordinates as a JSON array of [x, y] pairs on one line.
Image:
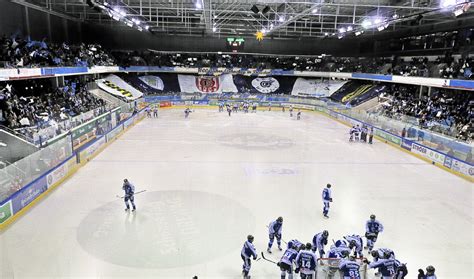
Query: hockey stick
[[139, 192], [263, 257]]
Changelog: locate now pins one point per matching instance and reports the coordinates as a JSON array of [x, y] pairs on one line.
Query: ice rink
[[211, 180]]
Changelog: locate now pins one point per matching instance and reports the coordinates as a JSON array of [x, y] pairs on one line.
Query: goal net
[[329, 268]]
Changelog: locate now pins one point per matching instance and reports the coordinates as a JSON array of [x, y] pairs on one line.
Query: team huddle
[[345, 255]]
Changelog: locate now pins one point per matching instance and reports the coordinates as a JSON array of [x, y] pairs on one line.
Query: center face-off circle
[[170, 229]]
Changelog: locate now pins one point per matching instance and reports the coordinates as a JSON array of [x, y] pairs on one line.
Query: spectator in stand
[[34, 104]]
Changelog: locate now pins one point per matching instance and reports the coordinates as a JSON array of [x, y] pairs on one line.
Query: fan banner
[[315, 87], [265, 85], [154, 82]]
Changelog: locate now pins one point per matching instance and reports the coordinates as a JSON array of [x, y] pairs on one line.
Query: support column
[[421, 92]]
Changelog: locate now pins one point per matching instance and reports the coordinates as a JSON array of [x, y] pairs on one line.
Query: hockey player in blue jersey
[[187, 111], [339, 249], [327, 198], [306, 262], [248, 252], [381, 252], [287, 261], [274, 231], [296, 244], [430, 273], [387, 267], [349, 268], [372, 230], [129, 194], [355, 244], [319, 241]]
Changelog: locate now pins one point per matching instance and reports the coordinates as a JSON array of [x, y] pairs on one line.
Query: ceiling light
[[447, 3], [349, 28], [281, 18], [315, 10], [342, 30], [198, 5], [214, 29], [366, 23]]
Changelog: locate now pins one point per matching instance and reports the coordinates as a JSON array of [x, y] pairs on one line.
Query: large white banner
[[207, 84], [116, 86], [316, 87]]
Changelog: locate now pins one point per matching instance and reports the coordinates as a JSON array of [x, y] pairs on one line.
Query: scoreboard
[[235, 44]]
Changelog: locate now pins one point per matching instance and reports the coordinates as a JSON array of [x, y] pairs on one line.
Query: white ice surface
[[212, 179]]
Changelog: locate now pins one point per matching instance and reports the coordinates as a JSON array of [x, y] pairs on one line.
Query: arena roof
[[275, 18]]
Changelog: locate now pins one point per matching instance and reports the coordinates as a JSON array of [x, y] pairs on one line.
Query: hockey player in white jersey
[[327, 198], [355, 244], [248, 252], [381, 252], [274, 231], [306, 262], [349, 268], [339, 249], [296, 244], [319, 241], [287, 261], [372, 229], [387, 266]]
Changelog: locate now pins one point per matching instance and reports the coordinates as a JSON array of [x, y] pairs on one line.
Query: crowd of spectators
[[446, 111], [445, 66], [18, 52], [32, 105]]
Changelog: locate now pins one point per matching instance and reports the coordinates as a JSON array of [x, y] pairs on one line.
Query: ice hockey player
[[306, 262], [297, 245], [379, 253], [246, 107], [187, 111], [355, 244], [287, 261], [350, 268], [229, 109], [327, 198], [254, 108], [372, 230], [371, 135], [291, 110], [353, 132], [129, 194], [298, 115], [339, 249], [274, 231], [319, 241], [248, 252], [387, 266], [155, 112], [221, 106], [235, 107], [430, 273]]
